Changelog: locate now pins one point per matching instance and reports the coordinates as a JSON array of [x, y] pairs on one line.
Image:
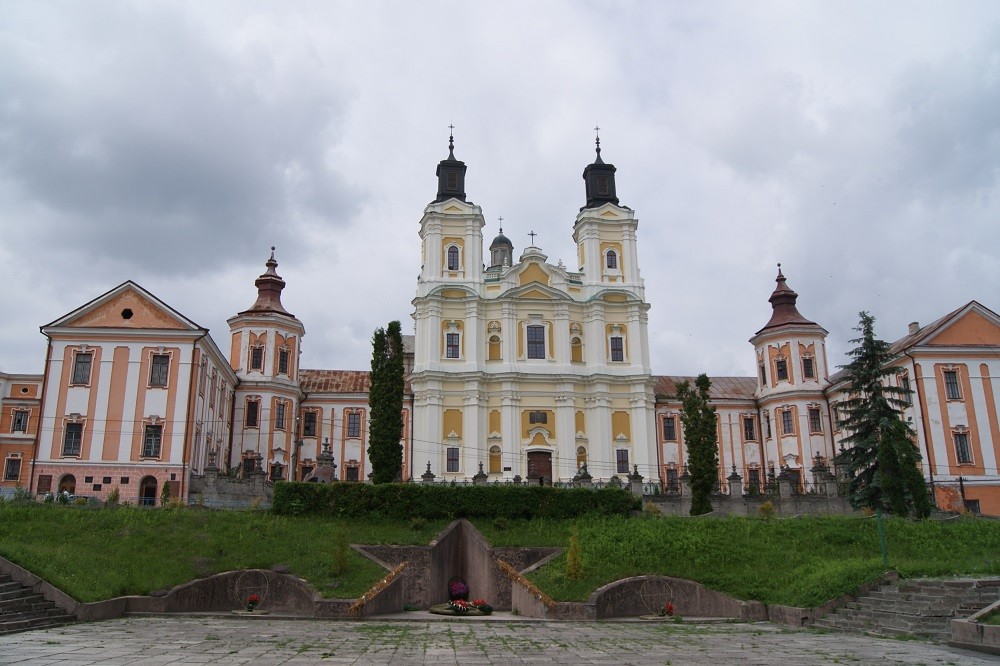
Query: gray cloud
[[173, 144]]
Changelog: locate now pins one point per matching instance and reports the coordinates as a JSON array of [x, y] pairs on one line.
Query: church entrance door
[[540, 467]]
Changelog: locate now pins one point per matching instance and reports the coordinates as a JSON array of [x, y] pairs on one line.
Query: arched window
[[495, 465], [581, 456], [452, 258], [612, 259]]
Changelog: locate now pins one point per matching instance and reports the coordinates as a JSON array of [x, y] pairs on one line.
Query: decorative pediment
[[453, 209], [127, 306], [974, 325]]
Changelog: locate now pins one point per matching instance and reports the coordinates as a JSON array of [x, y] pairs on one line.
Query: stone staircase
[[21, 609], [920, 608]]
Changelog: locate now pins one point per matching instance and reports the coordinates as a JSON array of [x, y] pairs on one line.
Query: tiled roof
[[723, 388], [338, 381], [335, 381], [924, 332]]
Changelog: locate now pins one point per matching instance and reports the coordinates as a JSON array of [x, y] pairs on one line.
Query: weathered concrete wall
[[646, 594], [225, 492], [971, 634], [724, 505]]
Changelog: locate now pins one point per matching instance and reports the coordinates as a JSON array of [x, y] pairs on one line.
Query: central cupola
[[600, 180], [451, 175]]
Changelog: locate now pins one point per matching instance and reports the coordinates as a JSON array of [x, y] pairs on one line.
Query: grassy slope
[[799, 561], [97, 554]]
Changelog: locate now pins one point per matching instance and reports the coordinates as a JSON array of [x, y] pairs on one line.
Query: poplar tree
[[698, 417], [882, 461], [385, 403]]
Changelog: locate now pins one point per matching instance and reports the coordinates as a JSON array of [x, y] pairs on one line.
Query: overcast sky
[[172, 143]]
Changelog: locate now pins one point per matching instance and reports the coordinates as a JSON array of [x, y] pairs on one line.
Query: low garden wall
[[228, 492], [971, 634]]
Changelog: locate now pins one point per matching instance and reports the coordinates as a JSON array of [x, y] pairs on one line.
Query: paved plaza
[[161, 641]]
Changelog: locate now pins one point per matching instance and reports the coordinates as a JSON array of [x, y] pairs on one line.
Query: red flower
[[253, 599], [479, 602]]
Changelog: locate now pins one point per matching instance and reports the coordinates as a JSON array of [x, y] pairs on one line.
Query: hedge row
[[403, 501]]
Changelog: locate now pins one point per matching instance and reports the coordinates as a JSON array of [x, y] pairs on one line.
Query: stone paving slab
[[177, 641]]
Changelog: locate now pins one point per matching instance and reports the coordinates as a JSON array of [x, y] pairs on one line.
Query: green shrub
[[113, 497], [766, 510], [404, 501]]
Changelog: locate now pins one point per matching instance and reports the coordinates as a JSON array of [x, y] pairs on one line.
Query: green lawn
[[794, 561], [95, 554], [100, 553]]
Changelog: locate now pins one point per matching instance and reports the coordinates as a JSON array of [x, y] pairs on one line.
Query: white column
[[510, 414], [566, 432]]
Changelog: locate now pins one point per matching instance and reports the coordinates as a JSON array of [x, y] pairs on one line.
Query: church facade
[[518, 368]]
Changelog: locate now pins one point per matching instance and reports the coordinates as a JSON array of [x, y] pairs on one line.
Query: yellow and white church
[[518, 368]]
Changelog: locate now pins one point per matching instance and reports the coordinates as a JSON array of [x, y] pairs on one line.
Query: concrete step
[[34, 623], [26, 606]]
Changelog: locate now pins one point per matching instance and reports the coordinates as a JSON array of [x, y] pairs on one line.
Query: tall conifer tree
[[882, 461], [698, 417], [385, 402]]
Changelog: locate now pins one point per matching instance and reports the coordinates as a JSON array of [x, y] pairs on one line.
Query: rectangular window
[[283, 362], [452, 459], [354, 425], [951, 385], [538, 417], [257, 358], [753, 478], [749, 431], [602, 184], [72, 439], [536, 341], [451, 345], [807, 368], [12, 469], [904, 383], [279, 416], [253, 413], [767, 425], [621, 457], [309, 424], [670, 429], [787, 424], [763, 375], [20, 421], [158, 370], [81, 368], [352, 473], [963, 454], [452, 177], [815, 423], [672, 480], [44, 483], [151, 442], [617, 349], [211, 393], [781, 368]]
